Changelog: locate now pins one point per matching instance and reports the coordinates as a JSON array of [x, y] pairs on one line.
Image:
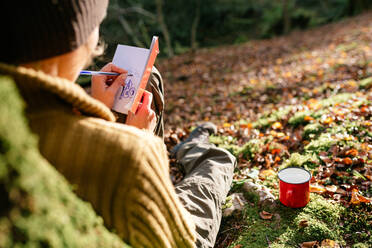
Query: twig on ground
[[268, 241], [235, 227]]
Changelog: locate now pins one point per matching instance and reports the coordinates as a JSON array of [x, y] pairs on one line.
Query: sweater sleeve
[[156, 218], [124, 173]]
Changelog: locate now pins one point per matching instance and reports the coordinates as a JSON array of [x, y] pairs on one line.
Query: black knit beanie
[[39, 29]]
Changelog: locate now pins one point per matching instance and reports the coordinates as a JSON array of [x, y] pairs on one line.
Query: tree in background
[[184, 25], [194, 26], [286, 17], [163, 26]]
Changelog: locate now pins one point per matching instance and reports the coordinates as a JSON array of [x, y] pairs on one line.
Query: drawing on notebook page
[[129, 90], [139, 62]]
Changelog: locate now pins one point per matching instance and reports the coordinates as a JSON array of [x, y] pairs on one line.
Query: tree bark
[[163, 26], [357, 6], [286, 17], [127, 28], [194, 27]]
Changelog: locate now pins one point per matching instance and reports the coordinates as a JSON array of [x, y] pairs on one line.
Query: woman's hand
[[145, 117], [104, 87]]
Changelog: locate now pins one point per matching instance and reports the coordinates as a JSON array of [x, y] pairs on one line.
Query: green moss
[[38, 207], [339, 98], [252, 197], [283, 230], [308, 161], [312, 129], [267, 120], [318, 114], [256, 229], [226, 142], [218, 140], [320, 216], [360, 245], [299, 118], [365, 83], [228, 203], [247, 90], [358, 224], [317, 230], [322, 220], [346, 47], [251, 148], [320, 208], [322, 143]]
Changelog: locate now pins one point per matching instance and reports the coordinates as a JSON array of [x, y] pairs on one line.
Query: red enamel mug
[[294, 187]]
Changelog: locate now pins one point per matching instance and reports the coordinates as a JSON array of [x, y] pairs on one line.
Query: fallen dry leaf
[[328, 120], [248, 125], [315, 188], [364, 109], [280, 135], [309, 244], [352, 152], [275, 151], [341, 191], [338, 160], [277, 159], [356, 198], [267, 173], [313, 104], [367, 123], [347, 161], [266, 215], [328, 243], [277, 125], [303, 223], [331, 188], [226, 124], [365, 147]]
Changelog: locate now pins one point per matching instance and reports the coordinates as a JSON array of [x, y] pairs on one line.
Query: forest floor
[[299, 100]]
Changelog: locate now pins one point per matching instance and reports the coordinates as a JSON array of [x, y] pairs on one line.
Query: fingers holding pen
[[104, 87], [118, 81], [106, 80], [110, 67]]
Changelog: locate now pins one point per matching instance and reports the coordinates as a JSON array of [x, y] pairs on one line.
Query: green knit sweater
[[121, 170]]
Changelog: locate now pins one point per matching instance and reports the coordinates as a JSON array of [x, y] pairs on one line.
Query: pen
[[92, 73]]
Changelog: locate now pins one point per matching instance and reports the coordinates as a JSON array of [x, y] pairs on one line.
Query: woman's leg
[[209, 173]]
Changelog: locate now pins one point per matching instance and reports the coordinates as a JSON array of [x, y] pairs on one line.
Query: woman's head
[[52, 31]]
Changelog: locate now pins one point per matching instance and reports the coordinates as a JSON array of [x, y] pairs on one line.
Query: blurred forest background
[[186, 25]]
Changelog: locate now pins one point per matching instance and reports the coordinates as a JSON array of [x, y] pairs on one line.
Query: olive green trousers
[[209, 172]]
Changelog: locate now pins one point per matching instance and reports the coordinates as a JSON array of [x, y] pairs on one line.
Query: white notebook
[[138, 62]]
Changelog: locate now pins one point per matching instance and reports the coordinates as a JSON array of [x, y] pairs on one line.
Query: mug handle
[[289, 197]]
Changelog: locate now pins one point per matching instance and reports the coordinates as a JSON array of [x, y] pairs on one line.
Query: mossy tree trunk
[[37, 205]]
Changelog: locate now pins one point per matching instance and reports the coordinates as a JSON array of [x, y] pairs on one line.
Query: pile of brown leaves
[[237, 86]]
